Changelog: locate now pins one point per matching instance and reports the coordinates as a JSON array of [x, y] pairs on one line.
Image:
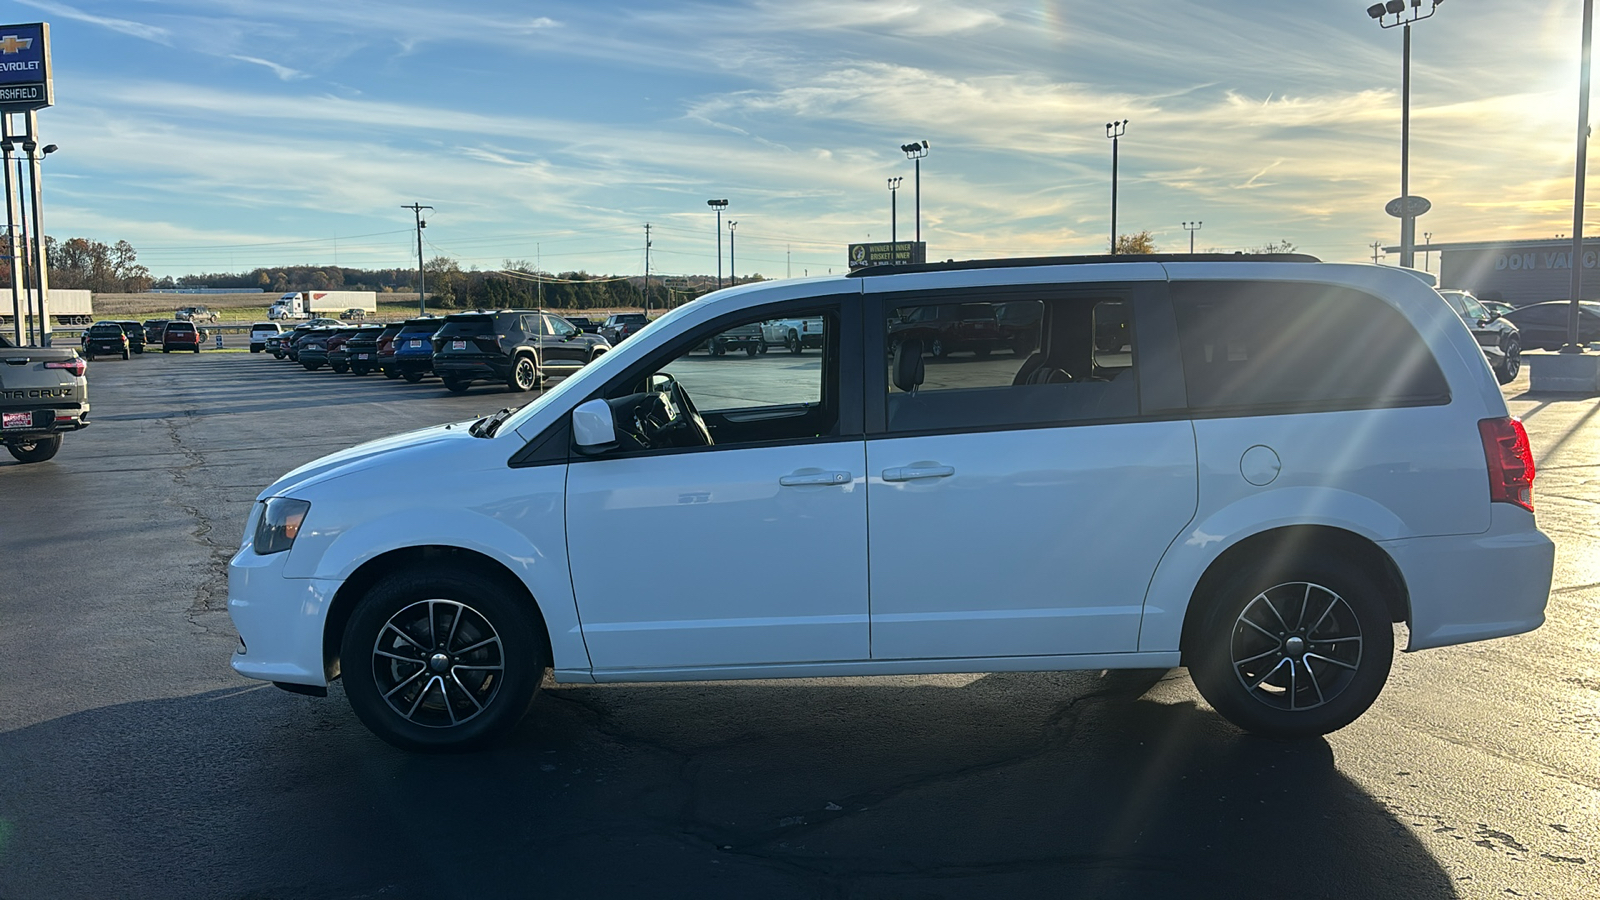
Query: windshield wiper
[[488, 425]]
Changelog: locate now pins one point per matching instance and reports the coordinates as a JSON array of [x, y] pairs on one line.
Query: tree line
[[82, 264]]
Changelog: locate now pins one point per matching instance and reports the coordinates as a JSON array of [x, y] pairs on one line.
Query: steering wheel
[[698, 432]]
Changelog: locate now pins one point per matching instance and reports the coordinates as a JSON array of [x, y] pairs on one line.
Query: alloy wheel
[[438, 663], [1296, 646]]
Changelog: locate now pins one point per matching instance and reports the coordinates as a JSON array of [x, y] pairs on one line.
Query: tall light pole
[[894, 188], [1114, 131], [916, 150], [1192, 227], [1408, 219], [1427, 251], [719, 206], [732, 278], [422, 274], [1576, 261]]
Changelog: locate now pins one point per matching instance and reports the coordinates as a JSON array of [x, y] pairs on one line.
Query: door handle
[[800, 478], [910, 473]]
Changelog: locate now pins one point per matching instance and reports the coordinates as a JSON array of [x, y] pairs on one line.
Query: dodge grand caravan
[[1277, 461]]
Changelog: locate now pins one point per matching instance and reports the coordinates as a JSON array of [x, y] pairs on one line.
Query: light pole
[[1575, 262], [719, 206], [1408, 220], [1427, 251], [916, 150], [1192, 227], [894, 188], [732, 278], [422, 274], [1114, 131]]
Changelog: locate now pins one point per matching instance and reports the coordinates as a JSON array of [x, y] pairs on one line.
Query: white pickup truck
[[793, 335]]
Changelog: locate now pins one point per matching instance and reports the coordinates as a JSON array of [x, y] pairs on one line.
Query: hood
[[365, 456]]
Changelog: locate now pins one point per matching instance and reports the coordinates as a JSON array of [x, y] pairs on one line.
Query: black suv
[[135, 333], [517, 347], [362, 349]]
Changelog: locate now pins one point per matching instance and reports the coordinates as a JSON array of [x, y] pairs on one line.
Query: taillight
[[74, 365], [1510, 459]]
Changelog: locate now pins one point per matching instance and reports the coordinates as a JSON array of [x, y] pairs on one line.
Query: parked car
[[413, 348], [361, 350], [153, 329], [946, 329], [585, 324], [515, 347], [313, 347], [384, 360], [354, 312], [106, 339], [195, 314], [44, 393], [274, 345], [291, 341], [1290, 458], [338, 356], [260, 332], [618, 327], [1498, 338], [743, 337], [1544, 326], [181, 336], [135, 333], [1496, 307]]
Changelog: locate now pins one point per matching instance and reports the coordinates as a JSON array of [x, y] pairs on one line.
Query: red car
[[180, 336]]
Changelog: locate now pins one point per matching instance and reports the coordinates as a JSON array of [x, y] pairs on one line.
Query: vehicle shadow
[[1018, 785]]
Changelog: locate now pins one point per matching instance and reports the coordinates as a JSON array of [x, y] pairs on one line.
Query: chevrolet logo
[[11, 44]]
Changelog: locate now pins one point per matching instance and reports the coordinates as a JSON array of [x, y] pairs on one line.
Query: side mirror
[[593, 431]]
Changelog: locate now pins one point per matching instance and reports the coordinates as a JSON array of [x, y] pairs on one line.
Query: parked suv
[[413, 348], [260, 332], [106, 339], [516, 347], [1283, 460], [621, 326], [181, 336], [135, 333], [361, 350]]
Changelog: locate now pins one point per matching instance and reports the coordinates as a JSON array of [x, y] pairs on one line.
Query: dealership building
[[1516, 272]]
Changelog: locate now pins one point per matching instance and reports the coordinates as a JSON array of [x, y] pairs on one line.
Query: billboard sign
[[25, 67], [899, 253]]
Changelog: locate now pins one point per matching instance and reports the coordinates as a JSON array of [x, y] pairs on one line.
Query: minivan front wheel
[[1293, 650], [440, 660]]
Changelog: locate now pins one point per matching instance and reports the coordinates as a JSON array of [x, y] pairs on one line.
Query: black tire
[[390, 373], [166, 349], [411, 377], [89, 357], [1257, 621], [35, 450], [1511, 366], [458, 706], [357, 370], [255, 349], [197, 349], [764, 346], [339, 368], [311, 367], [793, 343], [750, 350], [718, 349], [139, 349], [126, 354], [937, 349], [457, 385], [524, 375]]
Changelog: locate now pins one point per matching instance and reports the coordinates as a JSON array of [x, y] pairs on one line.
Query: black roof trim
[[959, 265]]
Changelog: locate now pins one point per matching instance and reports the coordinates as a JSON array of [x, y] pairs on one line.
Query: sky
[[224, 135]]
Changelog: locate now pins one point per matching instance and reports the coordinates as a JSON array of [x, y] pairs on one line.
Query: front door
[[747, 551]]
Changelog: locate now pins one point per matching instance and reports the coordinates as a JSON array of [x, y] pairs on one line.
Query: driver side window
[[745, 382]]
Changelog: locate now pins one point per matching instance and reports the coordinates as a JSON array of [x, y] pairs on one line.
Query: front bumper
[[280, 620]]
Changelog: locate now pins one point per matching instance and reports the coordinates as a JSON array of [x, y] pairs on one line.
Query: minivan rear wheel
[[1293, 649], [441, 659]]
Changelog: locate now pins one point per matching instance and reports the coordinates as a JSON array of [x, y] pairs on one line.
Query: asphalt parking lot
[[134, 763]]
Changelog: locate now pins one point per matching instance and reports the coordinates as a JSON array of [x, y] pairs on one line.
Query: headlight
[[279, 525]]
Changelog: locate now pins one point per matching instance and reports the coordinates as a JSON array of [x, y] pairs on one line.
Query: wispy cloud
[[284, 73], [125, 26]]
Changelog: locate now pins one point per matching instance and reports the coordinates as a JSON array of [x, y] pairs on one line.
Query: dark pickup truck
[[43, 393]]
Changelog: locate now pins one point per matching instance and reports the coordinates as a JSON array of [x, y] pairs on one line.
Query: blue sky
[[225, 135]]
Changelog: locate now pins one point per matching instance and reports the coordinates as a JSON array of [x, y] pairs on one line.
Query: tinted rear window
[[420, 328], [179, 326], [467, 326], [1285, 347]]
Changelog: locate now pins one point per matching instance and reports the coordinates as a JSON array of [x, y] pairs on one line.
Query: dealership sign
[[25, 67], [899, 253]]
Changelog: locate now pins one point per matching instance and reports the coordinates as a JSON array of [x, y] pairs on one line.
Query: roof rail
[[952, 265]]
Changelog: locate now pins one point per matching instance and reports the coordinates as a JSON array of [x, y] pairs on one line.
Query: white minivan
[[1252, 467]]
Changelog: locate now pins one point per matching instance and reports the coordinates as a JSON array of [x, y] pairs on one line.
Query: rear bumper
[[472, 368], [423, 364], [1473, 587], [48, 421]]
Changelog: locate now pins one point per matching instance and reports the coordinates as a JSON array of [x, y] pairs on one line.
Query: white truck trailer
[[310, 304], [67, 306]]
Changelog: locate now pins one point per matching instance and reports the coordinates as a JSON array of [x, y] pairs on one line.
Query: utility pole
[[422, 274], [732, 278], [1114, 131], [1375, 247], [647, 271]]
